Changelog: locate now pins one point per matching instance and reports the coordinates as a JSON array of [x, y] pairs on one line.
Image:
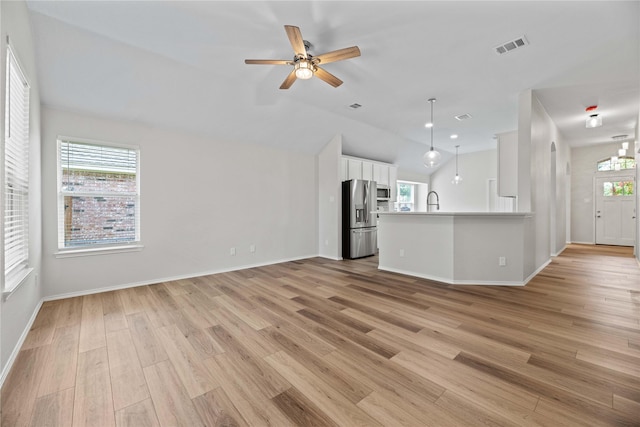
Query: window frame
[[412, 203], [21, 269], [96, 248]]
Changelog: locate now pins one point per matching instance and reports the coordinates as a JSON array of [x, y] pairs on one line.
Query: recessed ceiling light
[[454, 136], [428, 125]]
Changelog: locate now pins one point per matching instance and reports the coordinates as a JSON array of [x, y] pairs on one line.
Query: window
[[616, 165], [16, 176], [617, 188], [99, 195], [406, 192]]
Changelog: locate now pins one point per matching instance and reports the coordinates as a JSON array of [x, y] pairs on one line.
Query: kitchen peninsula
[[483, 248]]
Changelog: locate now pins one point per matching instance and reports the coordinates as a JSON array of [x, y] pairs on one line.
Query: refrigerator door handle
[[366, 202]]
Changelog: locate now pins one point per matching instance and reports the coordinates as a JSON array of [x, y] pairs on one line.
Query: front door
[[615, 210]]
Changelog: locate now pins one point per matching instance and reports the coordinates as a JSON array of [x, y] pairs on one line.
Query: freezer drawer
[[363, 242]]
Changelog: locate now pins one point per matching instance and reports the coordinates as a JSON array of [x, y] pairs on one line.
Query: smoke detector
[[511, 45]]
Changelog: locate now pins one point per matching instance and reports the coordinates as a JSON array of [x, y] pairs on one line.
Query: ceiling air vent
[[462, 117], [511, 45]]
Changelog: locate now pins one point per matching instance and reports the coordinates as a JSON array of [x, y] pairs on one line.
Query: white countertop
[[516, 214]]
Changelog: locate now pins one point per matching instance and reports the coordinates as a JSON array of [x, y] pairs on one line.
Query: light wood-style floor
[[326, 343]]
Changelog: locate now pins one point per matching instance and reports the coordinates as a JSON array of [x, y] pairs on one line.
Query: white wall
[[583, 161], [536, 135], [199, 198], [16, 312], [330, 200], [471, 194], [636, 146]]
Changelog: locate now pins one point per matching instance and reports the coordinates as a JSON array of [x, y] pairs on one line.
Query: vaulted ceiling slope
[[181, 64]]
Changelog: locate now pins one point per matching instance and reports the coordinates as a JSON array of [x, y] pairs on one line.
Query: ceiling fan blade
[[295, 38], [327, 77], [267, 61], [291, 78], [339, 55]]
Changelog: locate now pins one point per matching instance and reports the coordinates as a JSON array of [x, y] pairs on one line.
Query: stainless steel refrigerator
[[359, 220]]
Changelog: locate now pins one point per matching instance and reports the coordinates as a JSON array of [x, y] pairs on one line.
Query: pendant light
[[431, 158], [456, 179]]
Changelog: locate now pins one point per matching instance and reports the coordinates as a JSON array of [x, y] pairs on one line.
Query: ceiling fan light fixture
[[304, 69]]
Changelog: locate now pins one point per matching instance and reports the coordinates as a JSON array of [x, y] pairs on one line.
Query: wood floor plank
[[130, 301], [301, 410], [70, 312], [141, 414], [55, 409], [256, 408], [216, 409], [114, 315], [128, 384], [327, 399], [148, 348], [268, 381], [19, 389], [186, 361], [170, 399], [43, 328], [349, 386], [59, 371], [93, 403], [92, 329]]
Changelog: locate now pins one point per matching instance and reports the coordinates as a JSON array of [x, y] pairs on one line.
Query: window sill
[[72, 253], [18, 281]]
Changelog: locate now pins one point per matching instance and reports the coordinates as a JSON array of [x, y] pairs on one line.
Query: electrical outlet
[[502, 261], [232, 251], [401, 252], [252, 248]]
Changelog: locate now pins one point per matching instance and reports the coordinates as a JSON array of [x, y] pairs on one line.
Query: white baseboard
[[16, 349], [538, 270], [453, 282], [169, 279], [560, 251]]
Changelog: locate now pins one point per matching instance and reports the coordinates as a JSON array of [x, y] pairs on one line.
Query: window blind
[[16, 174], [99, 195]]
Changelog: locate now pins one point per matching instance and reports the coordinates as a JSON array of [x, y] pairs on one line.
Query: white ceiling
[[180, 64]]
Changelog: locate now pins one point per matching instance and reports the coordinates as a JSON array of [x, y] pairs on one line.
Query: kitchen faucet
[[436, 204]]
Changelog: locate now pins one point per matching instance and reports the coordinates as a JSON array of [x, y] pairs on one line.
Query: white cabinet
[[393, 182], [381, 174], [508, 164], [367, 171], [354, 169]]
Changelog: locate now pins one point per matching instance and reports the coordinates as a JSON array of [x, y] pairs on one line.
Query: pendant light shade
[[431, 158], [456, 179]]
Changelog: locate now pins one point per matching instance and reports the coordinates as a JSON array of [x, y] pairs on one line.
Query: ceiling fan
[[306, 65]]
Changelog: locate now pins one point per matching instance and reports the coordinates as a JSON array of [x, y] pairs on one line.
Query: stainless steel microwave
[[384, 192]]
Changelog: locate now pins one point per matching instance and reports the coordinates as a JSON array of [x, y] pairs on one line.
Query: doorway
[[615, 210]]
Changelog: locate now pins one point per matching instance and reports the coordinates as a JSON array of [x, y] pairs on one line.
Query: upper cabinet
[[508, 164], [381, 173]]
